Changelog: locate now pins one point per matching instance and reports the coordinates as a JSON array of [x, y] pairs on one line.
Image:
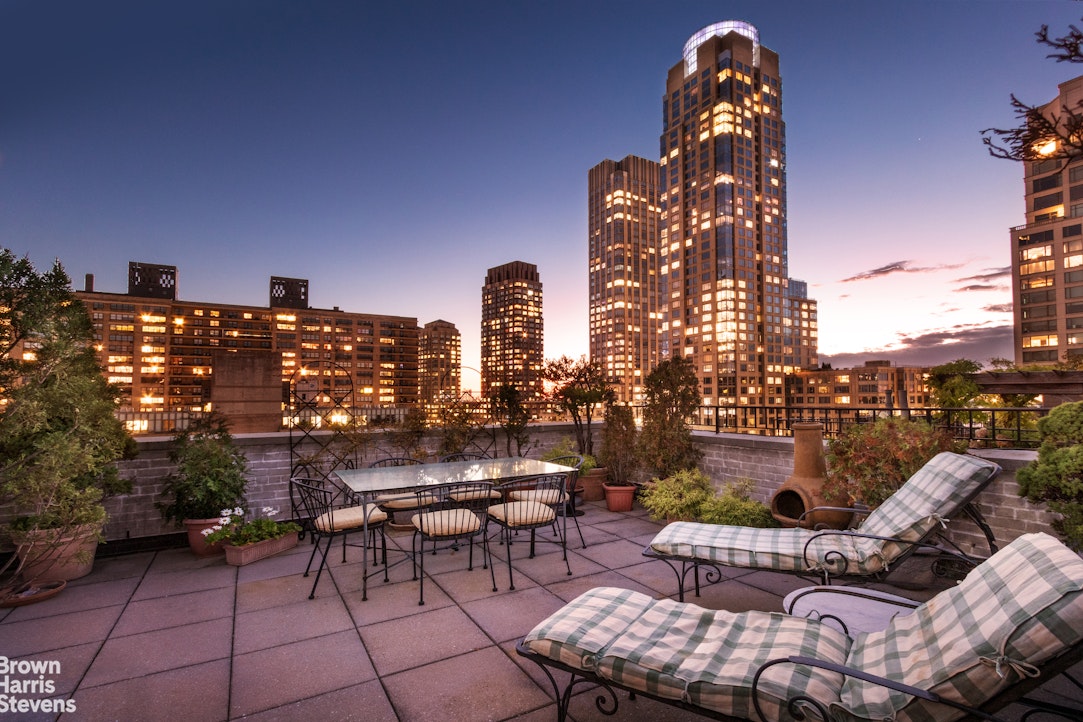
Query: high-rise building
[[161, 352], [726, 298], [512, 339], [1047, 253], [440, 364], [623, 222]]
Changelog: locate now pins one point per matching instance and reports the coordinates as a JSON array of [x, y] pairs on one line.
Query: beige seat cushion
[[447, 522], [405, 501], [349, 517], [522, 513], [542, 496]]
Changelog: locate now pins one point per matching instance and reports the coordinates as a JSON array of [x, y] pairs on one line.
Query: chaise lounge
[[1012, 624], [943, 488]]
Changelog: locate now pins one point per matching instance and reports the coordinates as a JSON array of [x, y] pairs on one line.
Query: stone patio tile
[[631, 527], [274, 592], [268, 679], [420, 639], [164, 584], [182, 559], [74, 662], [574, 586], [164, 612], [364, 702], [510, 616], [287, 563], [392, 601], [275, 626], [482, 685], [37, 637], [735, 596], [107, 569], [615, 554], [194, 693], [465, 586], [142, 654]]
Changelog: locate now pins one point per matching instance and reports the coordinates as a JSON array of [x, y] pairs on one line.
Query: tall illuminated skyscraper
[[440, 364], [512, 339], [726, 298], [623, 219]]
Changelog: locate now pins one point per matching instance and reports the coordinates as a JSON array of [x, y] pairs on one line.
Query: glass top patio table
[[417, 476]]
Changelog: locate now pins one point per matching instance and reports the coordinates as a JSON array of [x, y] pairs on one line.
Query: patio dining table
[[371, 482]]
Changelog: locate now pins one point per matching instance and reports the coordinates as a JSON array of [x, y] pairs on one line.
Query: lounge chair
[[943, 488], [1013, 623]]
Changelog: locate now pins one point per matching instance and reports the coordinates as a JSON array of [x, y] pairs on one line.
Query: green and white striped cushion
[[775, 549], [681, 651], [932, 495], [1021, 607]]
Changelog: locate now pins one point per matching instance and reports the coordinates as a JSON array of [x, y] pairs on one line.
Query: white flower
[[269, 511], [225, 520], [225, 512], [238, 511]]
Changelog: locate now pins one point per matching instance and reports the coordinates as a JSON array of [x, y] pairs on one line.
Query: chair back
[[533, 501], [464, 456], [393, 461], [313, 497]]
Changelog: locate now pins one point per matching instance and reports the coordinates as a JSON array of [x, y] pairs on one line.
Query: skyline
[[308, 141]]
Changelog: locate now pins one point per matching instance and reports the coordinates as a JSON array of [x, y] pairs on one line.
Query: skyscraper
[[623, 220], [1047, 254], [512, 339], [440, 363], [726, 299]]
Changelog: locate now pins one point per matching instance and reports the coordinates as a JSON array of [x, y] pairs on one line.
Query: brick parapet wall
[[767, 461]]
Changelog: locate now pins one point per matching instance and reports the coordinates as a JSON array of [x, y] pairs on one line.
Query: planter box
[[239, 556]]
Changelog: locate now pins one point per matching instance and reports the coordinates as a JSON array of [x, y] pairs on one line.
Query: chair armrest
[[835, 557]]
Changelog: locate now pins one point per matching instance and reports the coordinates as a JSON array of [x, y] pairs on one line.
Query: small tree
[[209, 475], [619, 444], [951, 383], [509, 412], [672, 397], [580, 388]]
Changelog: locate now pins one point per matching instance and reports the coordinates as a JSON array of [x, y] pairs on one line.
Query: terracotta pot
[[619, 498], [239, 556], [196, 542], [803, 490], [592, 481], [48, 556]]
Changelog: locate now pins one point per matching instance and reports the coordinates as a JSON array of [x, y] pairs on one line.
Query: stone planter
[[49, 557], [619, 497], [592, 482], [239, 556], [196, 542]]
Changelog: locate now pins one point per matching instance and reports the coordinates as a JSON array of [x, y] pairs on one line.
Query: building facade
[[624, 220], [440, 364], [876, 385], [1047, 254], [161, 351], [726, 299], [512, 331]]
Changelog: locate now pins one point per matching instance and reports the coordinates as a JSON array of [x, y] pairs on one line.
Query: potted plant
[[249, 540], [1055, 476], [209, 477], [867, 463], [671, 392], [619, 457], [59, 438], [591, 476]]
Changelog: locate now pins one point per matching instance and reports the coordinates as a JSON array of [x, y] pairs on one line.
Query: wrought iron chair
[[531, 504], [330, 521], [464, 456], [576, 462], [396, 502], [394, 461], [451, 513], [342, 496]]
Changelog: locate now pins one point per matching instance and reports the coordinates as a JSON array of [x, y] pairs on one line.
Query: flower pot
[[592, 481], [239, 556], [619, 498], [196, 541], [50, 555]]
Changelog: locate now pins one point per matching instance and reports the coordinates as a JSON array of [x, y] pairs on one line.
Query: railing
[[1001, 427]]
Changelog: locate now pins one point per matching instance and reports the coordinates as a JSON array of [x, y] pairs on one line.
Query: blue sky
[[391, 153]]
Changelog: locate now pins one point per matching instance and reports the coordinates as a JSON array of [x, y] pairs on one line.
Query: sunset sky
[[392, 152]]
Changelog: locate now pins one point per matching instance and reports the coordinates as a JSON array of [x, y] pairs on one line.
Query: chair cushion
[[464, 495], [349, 517], [777, 549], [446, 522], [405, 501], [522, 513], [1021, 607], [685, 652], [932, 495], [542, 496]]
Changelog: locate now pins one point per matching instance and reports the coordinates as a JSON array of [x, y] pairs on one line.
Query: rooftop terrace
[[168, 636]]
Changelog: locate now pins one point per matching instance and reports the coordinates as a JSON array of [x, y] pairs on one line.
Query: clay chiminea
[[803, 490]]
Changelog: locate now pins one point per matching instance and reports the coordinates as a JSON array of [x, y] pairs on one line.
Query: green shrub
[[734, 507], [1056, 476], [867, 463], [689, 495]]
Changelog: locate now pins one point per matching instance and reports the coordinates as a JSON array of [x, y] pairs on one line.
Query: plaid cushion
[[1021, 607], [934, 494], [776, 549], [681, 651]]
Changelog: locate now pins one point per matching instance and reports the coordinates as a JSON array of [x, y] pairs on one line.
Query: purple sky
[[391, 153]]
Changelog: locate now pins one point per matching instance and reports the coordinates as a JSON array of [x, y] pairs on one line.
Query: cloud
[[998, 308], [979, 287], [936, 346], [992, 274], [896, 267]]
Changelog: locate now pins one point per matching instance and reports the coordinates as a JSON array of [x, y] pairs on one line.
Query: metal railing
[[980, 427]]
